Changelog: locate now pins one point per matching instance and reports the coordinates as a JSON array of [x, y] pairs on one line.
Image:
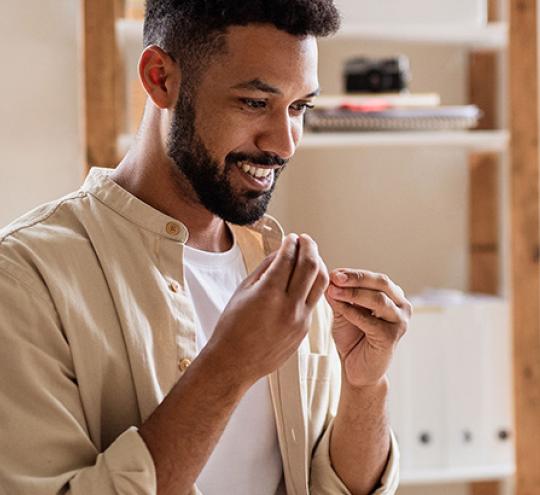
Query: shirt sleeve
[[325, 481], [45, 447]]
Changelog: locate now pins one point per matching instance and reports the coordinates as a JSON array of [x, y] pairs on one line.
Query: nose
[[280, 135]]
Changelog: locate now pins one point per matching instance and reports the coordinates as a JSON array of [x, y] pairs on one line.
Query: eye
[[254, 104], [302, 107]]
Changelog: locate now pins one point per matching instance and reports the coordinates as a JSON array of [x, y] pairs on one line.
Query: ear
[[160, 76]]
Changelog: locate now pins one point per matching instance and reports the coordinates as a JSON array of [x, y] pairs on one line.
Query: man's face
[[233, 134]]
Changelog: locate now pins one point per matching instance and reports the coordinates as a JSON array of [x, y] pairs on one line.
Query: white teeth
[[254, 171]]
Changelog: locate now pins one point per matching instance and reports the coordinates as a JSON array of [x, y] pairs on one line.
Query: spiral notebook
[[394, 119]]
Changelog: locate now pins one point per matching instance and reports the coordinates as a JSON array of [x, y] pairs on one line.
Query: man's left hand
[[371, 314]]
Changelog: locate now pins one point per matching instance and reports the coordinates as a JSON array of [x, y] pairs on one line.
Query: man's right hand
[[270, 313]]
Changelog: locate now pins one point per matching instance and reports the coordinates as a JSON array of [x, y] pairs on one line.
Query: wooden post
[[484, 257], [484, 252], [523, 73], [102, 87]]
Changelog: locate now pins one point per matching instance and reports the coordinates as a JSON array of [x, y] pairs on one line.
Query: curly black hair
[[191, 30]]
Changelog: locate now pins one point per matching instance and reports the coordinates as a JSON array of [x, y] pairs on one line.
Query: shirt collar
[[99, 184]]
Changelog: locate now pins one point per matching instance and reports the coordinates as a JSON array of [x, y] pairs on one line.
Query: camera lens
[[378, 81]]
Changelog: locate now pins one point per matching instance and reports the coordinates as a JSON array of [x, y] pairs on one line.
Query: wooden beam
[[483, 86], [121, 92], [484, 251], [135, 9], [485, 488], [524, 118], [484, 257], [101, 82], [493, 10]]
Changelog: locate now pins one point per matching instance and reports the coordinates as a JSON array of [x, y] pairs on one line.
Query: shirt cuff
[[325, 481], [130, 464], [130, 461]]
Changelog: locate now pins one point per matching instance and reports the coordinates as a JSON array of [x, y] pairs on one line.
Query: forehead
[[264, 52]]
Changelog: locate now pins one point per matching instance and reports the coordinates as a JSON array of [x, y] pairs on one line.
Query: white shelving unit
[[450, 475], [474, 141], [494, 141], [491, 36], [129, 32]]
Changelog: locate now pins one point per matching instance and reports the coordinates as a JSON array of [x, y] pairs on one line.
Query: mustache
[[264, 159]]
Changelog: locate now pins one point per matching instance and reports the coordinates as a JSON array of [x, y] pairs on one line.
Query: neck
[[148, 173]]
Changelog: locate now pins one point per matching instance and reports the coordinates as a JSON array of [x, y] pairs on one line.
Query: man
[[158, 334]]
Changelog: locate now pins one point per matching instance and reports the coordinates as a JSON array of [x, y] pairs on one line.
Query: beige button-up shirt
[[96, 327]]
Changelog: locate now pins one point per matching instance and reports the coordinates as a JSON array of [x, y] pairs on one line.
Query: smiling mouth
[[260, 173]]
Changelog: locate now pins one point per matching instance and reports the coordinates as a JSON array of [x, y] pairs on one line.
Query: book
[[378, 99], [393, 119]]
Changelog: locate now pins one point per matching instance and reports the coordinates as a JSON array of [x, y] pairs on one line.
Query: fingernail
[[341, 277]]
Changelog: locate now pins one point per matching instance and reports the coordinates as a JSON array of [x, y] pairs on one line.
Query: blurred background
[[40, 132], [419, 196]]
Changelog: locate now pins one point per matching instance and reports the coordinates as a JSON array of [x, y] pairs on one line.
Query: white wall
[[41, 156]]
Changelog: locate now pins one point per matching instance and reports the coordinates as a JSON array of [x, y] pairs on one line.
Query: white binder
[[498, 382], [450, 385], [422, 377], [465, 385]]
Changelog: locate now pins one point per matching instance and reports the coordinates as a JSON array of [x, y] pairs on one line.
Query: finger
[[320, 285], [306, 269], [280, 270], [379, 333], [255, 276], [376, 301], [346, 277]]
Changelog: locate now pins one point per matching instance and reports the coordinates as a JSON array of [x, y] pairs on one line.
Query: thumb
[[255, 276]]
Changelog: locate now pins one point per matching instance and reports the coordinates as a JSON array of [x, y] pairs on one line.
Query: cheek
[[223, 133]]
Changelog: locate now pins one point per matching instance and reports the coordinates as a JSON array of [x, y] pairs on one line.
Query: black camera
[[369, 75]]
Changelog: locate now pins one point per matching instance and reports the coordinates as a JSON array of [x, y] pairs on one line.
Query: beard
[[211, 181]]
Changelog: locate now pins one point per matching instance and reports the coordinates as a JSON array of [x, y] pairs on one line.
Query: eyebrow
[[258, 85]]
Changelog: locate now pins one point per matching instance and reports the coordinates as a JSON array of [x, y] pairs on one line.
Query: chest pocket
[[316, 382]]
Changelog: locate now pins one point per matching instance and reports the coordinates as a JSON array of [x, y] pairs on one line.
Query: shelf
[[493, 35], [457, 475], [495, 141], [129, 32]]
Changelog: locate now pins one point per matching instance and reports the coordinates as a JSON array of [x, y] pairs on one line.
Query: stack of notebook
[[392, 112]]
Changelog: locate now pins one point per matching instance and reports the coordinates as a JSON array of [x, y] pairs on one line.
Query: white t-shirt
[[246, 460]]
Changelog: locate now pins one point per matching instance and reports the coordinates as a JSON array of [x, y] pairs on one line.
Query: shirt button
[[183, 364], [172, 228], [174, 286]]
